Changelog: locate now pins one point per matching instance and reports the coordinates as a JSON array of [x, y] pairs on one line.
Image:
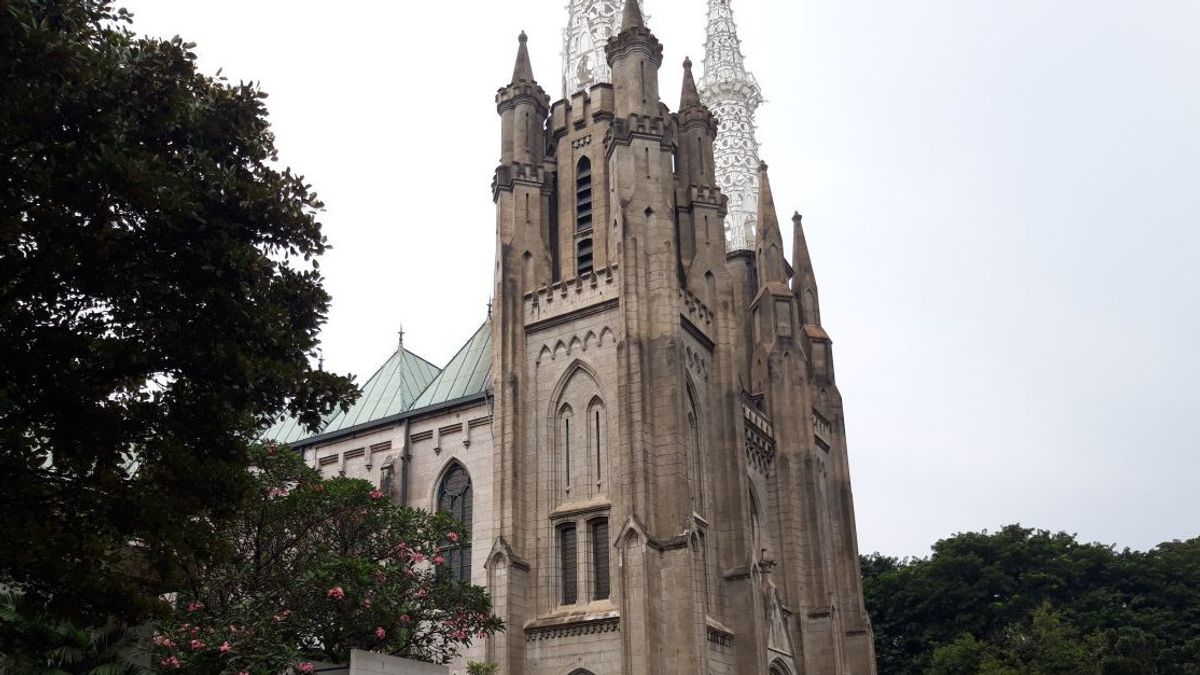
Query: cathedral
[[645, 436]]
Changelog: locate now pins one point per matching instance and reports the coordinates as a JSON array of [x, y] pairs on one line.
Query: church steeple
[[590, 23], [733, 95]]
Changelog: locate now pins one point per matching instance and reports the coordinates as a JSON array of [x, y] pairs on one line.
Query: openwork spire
[[732, 94], [590, 23]]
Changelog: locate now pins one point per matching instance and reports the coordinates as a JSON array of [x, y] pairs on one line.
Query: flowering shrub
[[314, 568]]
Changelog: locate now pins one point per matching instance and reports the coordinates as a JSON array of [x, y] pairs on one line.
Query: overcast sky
[[1002, 198]]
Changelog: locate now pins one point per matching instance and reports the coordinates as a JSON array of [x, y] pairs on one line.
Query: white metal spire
[[589, 25], [733, 95]]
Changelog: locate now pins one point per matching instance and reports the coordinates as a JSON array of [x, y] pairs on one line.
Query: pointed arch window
[[597, 439], [455, 498], [693, 449], [565, 415]]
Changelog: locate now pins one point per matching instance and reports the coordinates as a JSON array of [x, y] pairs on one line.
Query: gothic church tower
[[669, 489]]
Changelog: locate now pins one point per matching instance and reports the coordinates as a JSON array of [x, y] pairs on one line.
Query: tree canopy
[[313, 568], [159, 303], [1030, 601]]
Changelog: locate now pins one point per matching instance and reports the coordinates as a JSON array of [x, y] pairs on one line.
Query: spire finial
[[772, 267], [632, 17], [523, 70], [400, 333], [690, 97]]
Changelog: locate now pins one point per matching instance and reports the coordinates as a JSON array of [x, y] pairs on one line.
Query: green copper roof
[[406, 382], [287, 430], [467, 374], [390, 391]]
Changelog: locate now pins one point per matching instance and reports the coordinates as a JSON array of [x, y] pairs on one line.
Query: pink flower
[[197, 645], [226, 647], [422, 593], [452, 536], [404, 618], [277, 492], [171, 662], [243, 672], [168, 643], [366, 603], [305, 667], [380, 633], [376, 495], [195, 606], [439, 560], [418, 557], [336, 593]]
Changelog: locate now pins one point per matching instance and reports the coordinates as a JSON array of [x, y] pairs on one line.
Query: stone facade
[[651, 427]]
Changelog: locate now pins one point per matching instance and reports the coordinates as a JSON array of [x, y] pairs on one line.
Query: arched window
[[693, 449], [583, 195], [778, 668], [454, 497], [756, 539], [597, 438], [565, 415]]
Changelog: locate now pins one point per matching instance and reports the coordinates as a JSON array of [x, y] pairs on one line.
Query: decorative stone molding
[[572, 625]]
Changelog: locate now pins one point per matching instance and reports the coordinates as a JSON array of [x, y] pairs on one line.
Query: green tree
[[159, 304], [32, 643], [988, 595], [315, 568]]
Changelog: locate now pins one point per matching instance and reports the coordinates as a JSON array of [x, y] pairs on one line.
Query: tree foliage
[[314, 568], [159, 303], [1027, 601], [32, 643]]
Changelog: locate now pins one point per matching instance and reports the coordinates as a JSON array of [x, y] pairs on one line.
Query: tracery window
[[454, 497]]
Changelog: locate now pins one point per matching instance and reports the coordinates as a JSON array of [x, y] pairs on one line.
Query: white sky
[[1001, 198]]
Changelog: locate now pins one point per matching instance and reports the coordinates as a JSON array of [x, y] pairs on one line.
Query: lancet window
[[455, 498]]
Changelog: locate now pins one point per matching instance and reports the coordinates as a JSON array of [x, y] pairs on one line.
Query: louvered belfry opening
[[583, 195]]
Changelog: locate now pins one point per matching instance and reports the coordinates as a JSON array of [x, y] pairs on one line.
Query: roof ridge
[[465, 346]]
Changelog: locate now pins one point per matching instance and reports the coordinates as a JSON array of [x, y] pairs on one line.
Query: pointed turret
[[635, 55], [632, 18], [690, 98], [697, 131], [804, 284], [523, 70], [523, 107], [772, 267]]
